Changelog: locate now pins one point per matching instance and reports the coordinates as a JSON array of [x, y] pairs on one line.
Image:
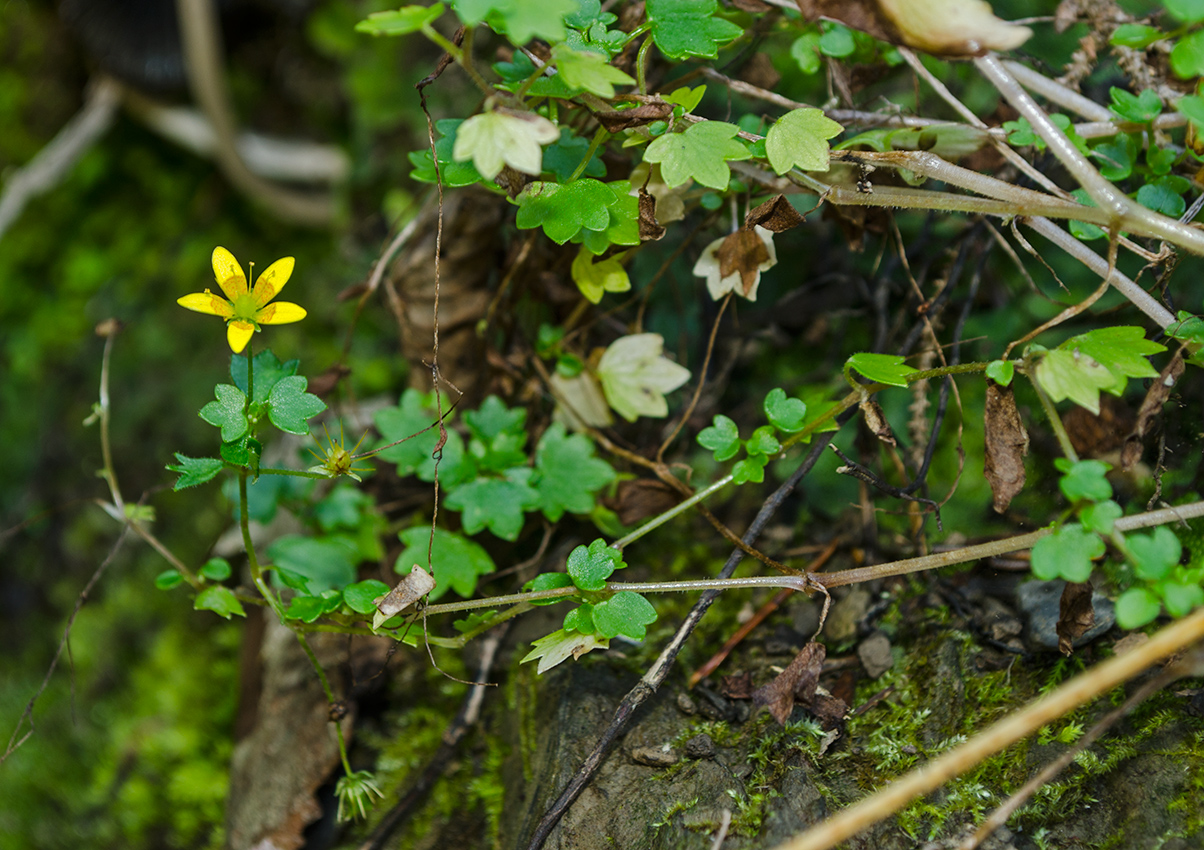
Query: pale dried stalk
[[1126, 214]]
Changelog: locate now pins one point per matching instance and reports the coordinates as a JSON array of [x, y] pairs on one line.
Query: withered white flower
[[708, 266], [635, 377]]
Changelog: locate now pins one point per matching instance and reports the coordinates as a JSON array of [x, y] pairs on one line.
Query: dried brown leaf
[[743, 251], [756, 7], [1075, 614], [639, 498], [638, 116], [797, 683], [737, 686], [412, 588], [1006, 445], [876, 420], [1151, 407], [776, 214], [650, 228]]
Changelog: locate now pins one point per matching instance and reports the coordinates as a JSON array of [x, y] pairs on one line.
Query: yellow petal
[[228, 273], [207, 302], [273, 279], [238, 334], [280, 313]]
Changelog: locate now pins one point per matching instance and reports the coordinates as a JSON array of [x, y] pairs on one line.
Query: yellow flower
[[245, 310]]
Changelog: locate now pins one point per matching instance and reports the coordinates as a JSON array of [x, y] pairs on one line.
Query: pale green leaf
[[799, 139], [504, 137]]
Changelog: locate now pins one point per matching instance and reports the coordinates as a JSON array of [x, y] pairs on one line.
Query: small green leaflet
[[228, 412], [684, 28], [220, 600], [1137, 36], [359, 596], [168, 579], [1138, 108], [1001, 371], [1067, 553], [1136, 607], [785, 414], [589, 568], [763, 442], [799, 139], [504, 137], [752, 468], [685, 97], [1187, 57], [456, 561], [1100, 516], [496, 503], [290, 406], [722, 437], [567, 474], [405, 20], [194, 470], [699, 153], [626, 613], [1084, 480], [1154, 554], [585, 69], [216, 569], [886, 369], [519, 20]]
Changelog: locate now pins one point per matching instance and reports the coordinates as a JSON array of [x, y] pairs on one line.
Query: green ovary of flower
[[245, 309]]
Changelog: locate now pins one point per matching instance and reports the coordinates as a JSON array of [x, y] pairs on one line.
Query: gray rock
[[875, 655], [1038, 602], [661, 756], [700, 747]]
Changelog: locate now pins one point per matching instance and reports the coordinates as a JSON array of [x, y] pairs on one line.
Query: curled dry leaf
[[650, 229], [1151, 407], [1076, 615], [670, 206], [942, 27], [1006, 445], [776, 214], [625, 119], [796, 684], [875, 419], [412, 588]]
